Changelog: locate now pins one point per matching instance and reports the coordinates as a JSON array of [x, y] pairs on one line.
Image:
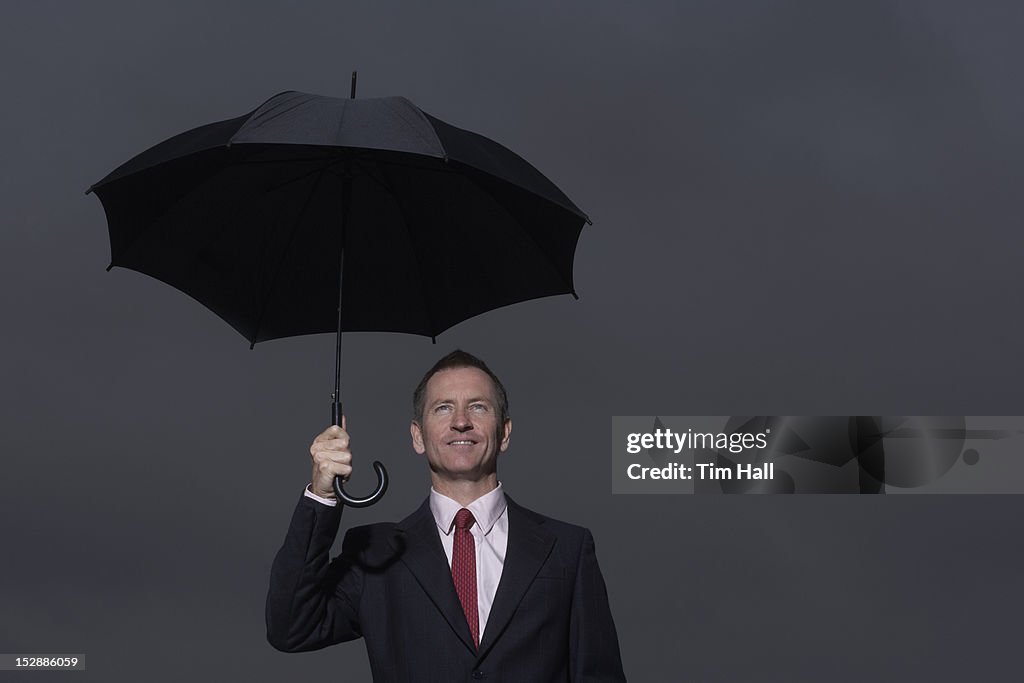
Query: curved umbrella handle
[[382, 474], [382, 486]]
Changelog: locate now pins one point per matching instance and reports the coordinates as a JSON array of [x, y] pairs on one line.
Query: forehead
[[455, 383]]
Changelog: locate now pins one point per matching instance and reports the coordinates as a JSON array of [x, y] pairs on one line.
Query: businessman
[[469, 587]]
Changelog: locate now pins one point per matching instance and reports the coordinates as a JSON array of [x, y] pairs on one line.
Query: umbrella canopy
[[254, 215]]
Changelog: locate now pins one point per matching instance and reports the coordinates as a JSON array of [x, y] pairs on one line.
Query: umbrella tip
[[89, 191], [252, 345], [589, 222], [109, 267], [433, 340], [575, 295]]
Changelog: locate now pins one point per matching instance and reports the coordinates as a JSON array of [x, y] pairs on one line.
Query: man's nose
[[461, 421]]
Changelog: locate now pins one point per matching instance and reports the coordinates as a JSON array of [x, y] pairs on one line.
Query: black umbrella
[[319, 214]]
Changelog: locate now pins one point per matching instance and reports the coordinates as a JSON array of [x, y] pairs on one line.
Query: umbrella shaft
[[346, 200], [336, 403], [336, 412]]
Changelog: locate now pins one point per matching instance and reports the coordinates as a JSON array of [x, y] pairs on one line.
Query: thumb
[[343, 422]]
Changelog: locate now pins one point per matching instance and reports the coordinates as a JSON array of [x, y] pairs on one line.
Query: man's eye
[[478, 407], [442, 409]]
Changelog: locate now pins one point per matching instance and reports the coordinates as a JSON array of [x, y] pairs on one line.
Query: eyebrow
[[478, 399]]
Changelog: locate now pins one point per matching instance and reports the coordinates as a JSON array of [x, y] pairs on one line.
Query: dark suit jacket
[[392, 586]]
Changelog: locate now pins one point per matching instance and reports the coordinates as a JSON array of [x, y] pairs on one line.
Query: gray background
[[799, 208]]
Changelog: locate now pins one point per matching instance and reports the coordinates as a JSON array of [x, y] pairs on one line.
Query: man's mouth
[[462, 442]]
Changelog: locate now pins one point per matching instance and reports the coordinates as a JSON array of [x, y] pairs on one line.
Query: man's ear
[[417, 437], [507, 432]]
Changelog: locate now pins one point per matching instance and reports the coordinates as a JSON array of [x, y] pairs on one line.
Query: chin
[[455, 471]]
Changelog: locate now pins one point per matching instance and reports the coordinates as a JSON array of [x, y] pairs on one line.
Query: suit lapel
[[417, 542], [529, 544]]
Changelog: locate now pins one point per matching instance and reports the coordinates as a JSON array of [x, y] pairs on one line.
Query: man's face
[[459, 430]]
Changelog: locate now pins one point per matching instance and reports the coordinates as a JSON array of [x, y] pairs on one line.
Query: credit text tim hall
[[675, 442]]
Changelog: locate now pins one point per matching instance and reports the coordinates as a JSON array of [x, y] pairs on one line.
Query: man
[[471, 586]]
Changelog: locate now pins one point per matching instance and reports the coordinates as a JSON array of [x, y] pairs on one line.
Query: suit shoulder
[[370, 534], [558, 527]]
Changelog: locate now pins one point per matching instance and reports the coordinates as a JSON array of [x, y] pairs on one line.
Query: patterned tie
[[464, 570]]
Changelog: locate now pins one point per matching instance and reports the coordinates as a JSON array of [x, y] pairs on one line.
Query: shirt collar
[[486, 509]]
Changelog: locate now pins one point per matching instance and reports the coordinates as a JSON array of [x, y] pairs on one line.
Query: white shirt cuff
[[326, 501]]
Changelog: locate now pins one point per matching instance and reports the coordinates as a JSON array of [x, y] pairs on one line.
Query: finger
[[343, 423], [328, 470], [341, 444], [343, 457], [332, 432], [333, 456]]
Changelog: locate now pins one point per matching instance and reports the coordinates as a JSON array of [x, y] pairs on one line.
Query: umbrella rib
[[382, 182], [184, 196], [448, 167], [301, 177], [547, 257], [270, 114], [255, 162], [287, 249], [436, 164], [435, 140], [163, 215]]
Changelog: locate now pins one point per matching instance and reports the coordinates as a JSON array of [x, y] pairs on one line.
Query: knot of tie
[[464, 519]]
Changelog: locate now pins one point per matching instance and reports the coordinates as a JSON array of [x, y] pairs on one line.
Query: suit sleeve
[[313, 602], [593, 644]]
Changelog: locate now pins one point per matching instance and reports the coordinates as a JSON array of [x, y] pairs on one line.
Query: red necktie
[[464, 570]]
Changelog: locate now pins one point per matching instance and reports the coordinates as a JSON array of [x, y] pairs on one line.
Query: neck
[[464, 492]]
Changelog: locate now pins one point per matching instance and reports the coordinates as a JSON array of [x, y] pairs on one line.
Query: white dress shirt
[[490, 538]]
